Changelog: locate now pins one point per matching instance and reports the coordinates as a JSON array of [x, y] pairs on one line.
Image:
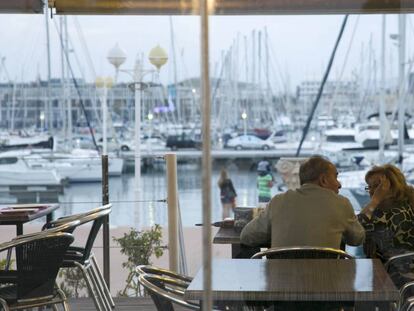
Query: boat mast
[[401, 80], [383, 94], [48, 109], [62, 75], [174, 59]]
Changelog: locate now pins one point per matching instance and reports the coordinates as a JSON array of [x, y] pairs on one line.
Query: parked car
[[249, 142], [152, 144], [182, 141], [113, 145]]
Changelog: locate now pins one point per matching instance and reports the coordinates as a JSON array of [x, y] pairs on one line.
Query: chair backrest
[[98, 219], [165, 291], [147, 269], [96, 216], [64, 227], [302, 252], [38, 260], [406, 296], [65, 219], [401, 268]]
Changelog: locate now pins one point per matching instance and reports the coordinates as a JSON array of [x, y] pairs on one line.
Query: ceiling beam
[[21, 6], [232, 7]]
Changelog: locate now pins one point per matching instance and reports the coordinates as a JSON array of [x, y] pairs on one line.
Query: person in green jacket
[[264, 182]]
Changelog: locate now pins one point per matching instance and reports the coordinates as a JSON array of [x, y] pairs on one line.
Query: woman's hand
[[381, 192]]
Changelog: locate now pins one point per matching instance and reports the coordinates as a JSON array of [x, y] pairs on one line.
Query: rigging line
[[85, 46], [98, 202], [77, 88], [318, 97], [82, 72], [335, 91]]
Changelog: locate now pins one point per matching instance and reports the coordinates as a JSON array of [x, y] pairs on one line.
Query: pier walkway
[[222, 153]]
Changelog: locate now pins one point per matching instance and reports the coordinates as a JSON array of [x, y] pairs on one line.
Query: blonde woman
[[389, 216], [227, 193]]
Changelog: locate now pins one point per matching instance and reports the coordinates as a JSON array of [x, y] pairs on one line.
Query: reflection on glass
[[364, 275]]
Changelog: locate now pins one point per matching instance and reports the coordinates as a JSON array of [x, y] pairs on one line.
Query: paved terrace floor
[[121, 304]]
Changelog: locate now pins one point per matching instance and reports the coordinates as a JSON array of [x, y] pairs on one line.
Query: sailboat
[[79, 165]]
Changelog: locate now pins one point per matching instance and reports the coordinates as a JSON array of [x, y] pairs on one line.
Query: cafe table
[[362, 283], [232, 237], [21, 213]]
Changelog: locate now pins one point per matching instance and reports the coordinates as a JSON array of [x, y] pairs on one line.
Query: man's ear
[[322, 180]]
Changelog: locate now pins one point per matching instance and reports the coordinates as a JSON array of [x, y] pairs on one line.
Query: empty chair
[[83, 258], [304, 252], [163, 272], [401, 268], [167, 288], [165, 291], [406, 299], [38, 259]]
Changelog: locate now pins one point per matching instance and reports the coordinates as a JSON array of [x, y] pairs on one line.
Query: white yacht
[[368, 134], [16, 171], [79, 165]]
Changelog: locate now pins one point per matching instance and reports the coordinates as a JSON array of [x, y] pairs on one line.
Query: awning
[[21, 6], [232, 7]]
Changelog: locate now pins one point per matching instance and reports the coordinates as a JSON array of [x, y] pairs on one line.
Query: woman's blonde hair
[[399, 188], [223, 177]]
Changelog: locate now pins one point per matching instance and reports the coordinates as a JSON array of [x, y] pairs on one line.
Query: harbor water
[[151, 208]]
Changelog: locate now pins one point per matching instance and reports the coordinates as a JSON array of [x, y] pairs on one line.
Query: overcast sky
[[299, 46]]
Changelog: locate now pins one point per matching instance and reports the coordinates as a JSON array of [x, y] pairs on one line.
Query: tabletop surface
[[227, 236], [14, 218], [297, 280]]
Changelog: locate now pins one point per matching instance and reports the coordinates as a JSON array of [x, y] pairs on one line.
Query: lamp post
[[150, 116], [244, 117], [104, 83], [42, 120], [157, 57]]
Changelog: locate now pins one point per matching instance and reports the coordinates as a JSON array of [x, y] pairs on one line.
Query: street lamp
[[157, 57], [104, 83], [244, 117], [116, 56], [150, 116], [42, 120]]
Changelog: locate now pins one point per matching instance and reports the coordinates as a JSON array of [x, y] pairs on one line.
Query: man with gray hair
[[313, 215]]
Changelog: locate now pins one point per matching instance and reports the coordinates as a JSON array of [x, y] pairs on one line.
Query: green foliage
[[73, 283], [139, 246], [3, 263]]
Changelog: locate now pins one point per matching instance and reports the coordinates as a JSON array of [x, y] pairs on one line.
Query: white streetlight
[[116, 56], [158, 57], [104, 84], [150, 117], [42, 120], [244, 117]]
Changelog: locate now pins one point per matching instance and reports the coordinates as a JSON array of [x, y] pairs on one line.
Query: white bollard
[[172, 202]]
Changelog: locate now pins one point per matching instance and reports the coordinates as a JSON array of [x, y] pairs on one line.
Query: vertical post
[[48, 105], [206, 157], [104, 120], [105, 200], [382, 101], [172, 202], [137, 84], [401, 80]]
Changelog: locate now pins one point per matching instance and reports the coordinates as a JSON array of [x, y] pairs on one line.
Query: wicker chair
[[167, 288], [83, 258], [302, 252], [401, 270], [165, 291], [38, 259]]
